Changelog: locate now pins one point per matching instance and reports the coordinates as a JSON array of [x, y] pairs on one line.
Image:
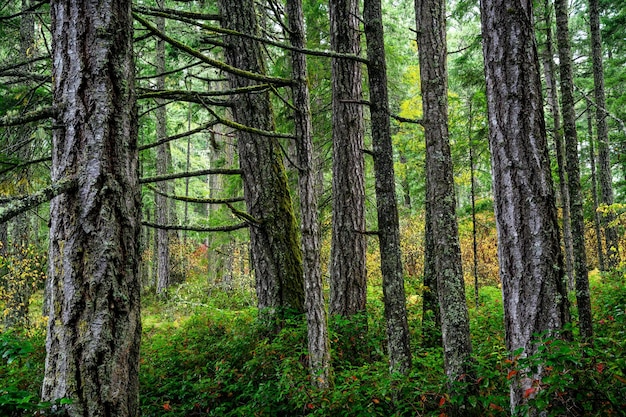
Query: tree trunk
[[161, 201], [318, 342], [446, 256], [604, 156], [553, 105], [583, 298], [94, 327], [388, 223], [348, 281], [529, 252], [275, 251], [597, 221]]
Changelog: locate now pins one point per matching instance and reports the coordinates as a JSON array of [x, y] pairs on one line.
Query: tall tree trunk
[[604, 155], [431, 25], [94, 328], [388, 223], [276, 254], [597, 221], [317, 326], [529, 252], [553, 105], [348, 281], [583, 298], [161, 201]]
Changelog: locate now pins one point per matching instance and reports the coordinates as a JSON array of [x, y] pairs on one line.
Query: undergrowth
[[212, 357]]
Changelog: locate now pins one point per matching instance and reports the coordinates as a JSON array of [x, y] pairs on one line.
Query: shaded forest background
[[205, 350]]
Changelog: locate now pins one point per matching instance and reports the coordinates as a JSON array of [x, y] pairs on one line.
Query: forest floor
[[204, 353]]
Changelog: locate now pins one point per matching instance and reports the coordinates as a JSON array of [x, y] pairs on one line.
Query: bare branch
[[231, 228], [168, 177]]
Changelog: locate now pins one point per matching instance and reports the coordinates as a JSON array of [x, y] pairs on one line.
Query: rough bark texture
[[557, 132], [348, 283], [94, 328], [583, 298], [604, 156], [275, 250], [162, 202], [388, 223], [531, 263], [446, 256], [318, 343]]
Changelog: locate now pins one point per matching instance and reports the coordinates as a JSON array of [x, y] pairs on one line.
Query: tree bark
[[348, 280], [394, 297], [446, 256], [529, 252], [94, 327], [553, 105], [276, 254], [604, 156], [583, 298], [317, 326]]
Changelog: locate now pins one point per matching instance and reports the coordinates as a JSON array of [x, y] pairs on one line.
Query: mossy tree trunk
[[529, 250], [94, 327], [398, 347], [441, 200], [275, 249]]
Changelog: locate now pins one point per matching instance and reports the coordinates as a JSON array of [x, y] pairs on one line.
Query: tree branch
[[224, 31], [248, 129], [231, 228], [179, 136], [167, 177], [33, 116], [407, 120], [19, 206], [215, 63], [197, 200]]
